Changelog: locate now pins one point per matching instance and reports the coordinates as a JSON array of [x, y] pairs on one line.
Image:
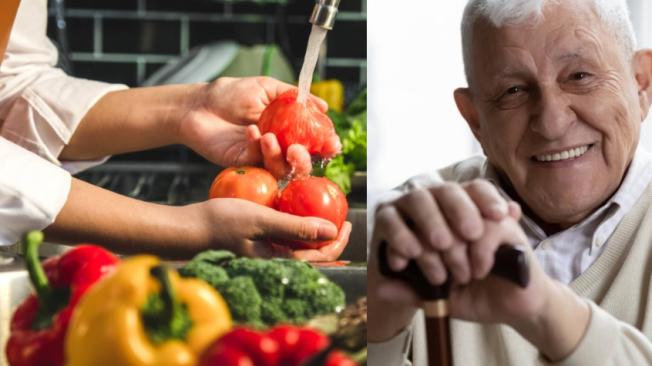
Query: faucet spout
[[323, 14]]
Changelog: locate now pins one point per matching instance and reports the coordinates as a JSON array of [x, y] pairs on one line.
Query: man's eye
[[580, 75], [513, 90]]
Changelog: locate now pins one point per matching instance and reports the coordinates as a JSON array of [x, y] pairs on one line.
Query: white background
[[414, 64]]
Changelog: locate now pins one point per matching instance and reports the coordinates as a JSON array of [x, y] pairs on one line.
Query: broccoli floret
[[206, 271], [267, 292], [243, 299], [329, 298], [214, 256], [272, 312], [269, 276], [297, 310], [302, 270]]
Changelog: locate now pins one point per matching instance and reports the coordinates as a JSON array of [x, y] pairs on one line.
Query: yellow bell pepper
[[332, 91], [109, 327]]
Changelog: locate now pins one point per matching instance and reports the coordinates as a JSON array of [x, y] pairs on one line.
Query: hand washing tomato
[[247, 182], [300, 123], [313, 196]]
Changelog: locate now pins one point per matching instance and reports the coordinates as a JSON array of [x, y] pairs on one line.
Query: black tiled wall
[[125, 41]]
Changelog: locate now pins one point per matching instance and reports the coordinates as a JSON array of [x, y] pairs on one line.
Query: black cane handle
[[510, 263]]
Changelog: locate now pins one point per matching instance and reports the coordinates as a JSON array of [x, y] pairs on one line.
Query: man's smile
[[562, 154]]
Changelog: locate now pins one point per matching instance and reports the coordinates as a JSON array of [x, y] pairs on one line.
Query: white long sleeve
[[40, 108], [32, 192]]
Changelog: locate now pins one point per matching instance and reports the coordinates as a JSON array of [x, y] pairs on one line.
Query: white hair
[[613, 13]]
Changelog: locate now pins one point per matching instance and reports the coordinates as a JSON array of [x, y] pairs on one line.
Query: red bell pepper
[[284, 345], [38, 327]]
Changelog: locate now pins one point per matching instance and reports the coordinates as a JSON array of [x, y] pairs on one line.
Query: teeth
[[564, 155]]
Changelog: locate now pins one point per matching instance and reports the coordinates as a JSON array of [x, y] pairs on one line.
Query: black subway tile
[[351, 5], [152, 67], [138, 36], [110, 72], [207, 6], [247, 33], [348, 74], [102, 4], [348, 40], [246, 7], [79, 33]]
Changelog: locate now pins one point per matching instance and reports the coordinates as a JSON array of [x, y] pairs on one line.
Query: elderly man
[[556, 98]]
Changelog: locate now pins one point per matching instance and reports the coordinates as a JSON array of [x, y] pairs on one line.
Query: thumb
[[280, 226]]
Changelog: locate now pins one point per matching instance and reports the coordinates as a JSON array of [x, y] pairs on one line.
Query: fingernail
[[499, 208]]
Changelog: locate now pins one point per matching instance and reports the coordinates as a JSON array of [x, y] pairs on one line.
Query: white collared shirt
[[567, 254], [40, 108]]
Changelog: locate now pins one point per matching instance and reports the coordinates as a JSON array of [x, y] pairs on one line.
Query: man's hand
[[221, 126], [454, 230]]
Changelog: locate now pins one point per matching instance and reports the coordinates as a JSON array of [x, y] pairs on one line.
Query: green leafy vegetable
[[263, 292], [351, 127]]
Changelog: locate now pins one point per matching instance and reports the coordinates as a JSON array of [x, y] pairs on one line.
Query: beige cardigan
[[620, 329]]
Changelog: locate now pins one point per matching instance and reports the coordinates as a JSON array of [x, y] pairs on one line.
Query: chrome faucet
[[323, 14]]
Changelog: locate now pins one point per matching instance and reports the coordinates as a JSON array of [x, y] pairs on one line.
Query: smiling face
[[556, 108]]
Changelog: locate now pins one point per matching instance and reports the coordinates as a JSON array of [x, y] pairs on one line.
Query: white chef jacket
[[40, 108]]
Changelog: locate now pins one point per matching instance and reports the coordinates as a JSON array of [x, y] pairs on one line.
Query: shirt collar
[[637, 178]]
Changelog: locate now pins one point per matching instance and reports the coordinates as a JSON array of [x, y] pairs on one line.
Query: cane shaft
[[438, 333]]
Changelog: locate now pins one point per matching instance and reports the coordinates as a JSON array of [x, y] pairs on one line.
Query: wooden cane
[[510, 262]]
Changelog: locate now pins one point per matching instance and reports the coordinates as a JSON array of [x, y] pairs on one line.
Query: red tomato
[[314, 196], [297, 344], [300, 123], [247, 182]]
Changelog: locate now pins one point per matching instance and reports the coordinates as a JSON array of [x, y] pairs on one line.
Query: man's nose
[[553, 114]]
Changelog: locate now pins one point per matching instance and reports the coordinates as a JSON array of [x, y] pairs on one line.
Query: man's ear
[[464, 101], [643, 74]]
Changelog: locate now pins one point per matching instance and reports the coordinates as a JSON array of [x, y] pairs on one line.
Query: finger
[[457, 262], [421, 208], [321, 104], [486, 197], [460, 211], [253, 133], [329, 252], [396, 261], [393, 291], [273, 156], [282, 227], [481, 252], [254, 150], [273, 87], [332, 146], [264, 249], [514, 209], [432, 267], [398, 235], [299, 160]]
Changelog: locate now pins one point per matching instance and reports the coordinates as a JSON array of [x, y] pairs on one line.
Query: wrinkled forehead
[[562, 30]]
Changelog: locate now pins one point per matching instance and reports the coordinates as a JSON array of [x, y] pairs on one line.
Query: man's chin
[[564, 210]]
